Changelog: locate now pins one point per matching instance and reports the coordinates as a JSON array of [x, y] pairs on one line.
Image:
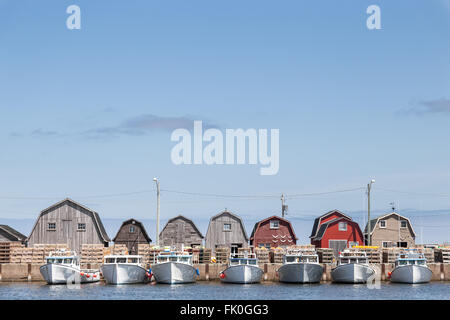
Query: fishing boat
[[242, 268], [63, 267], [353, 267], [300, 266], [174, 267], [410, 267], [124, 269]]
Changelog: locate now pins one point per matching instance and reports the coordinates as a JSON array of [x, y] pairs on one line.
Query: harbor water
[[215, 290]]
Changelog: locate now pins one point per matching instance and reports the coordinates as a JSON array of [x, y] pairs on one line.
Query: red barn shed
[[273, 232], [336, 230]]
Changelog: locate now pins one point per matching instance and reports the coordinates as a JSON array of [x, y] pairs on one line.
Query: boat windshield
[[243, 261], [411, 262], [110, 260], [308, 259], [360, 260], [121, 260], [133, 260], [291, 259]]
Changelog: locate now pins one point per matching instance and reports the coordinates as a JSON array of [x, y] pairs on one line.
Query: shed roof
[[138, 223], [374, 222], [185, 219], [98, 223], [317, 221], [13, 234], [272, 218]]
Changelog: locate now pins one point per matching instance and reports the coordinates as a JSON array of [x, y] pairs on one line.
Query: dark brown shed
[[132, 233]]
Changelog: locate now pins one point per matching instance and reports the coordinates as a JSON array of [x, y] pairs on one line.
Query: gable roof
[[136, 222], [374, 222], [185, 219], [324, 226], [97, 222], [13, 234], [234, 216], [319, 219], [257, 225]]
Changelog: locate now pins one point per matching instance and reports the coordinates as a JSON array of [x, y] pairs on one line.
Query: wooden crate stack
[[442, 255], [263, 255], [51, 247], [374, 254], [326, 255], [5, 250], [91, 254], [276, 255], [148, 253], [222, 254], [21, 255], [205, 255]]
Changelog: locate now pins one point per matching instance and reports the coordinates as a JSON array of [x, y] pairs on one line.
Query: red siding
[[352, 234], [264, 234]]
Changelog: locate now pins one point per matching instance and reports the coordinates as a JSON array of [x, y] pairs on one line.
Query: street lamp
[[369, 238], [157, 210]]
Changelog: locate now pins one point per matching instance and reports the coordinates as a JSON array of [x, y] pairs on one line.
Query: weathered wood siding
[[131, 239], [217, 236], [392, 232], [66, 216], [178, 231]]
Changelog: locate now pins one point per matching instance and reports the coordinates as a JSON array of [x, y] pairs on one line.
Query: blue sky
[[88, 113]]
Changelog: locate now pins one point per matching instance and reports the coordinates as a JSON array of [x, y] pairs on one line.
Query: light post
[[157, 210], [369, 238]]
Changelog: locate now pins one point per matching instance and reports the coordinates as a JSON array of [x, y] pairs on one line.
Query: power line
[[416, 193]]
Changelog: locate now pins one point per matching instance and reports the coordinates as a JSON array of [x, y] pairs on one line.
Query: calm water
[[219, 291]]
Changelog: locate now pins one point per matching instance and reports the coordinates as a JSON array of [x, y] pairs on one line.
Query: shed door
[[66, 230], [337, 246]]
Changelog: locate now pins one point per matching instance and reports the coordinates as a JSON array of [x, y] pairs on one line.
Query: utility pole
[[284, 207], [157, 210], [369, 237]]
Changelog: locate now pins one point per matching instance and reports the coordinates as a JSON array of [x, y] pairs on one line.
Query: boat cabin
[[301, 259], [243, 261], [181, 258], [123, 259], [353, 257], [409, 258], [63, 260]]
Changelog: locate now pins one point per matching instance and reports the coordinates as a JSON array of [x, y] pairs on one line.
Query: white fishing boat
[[124, 269], [174, 267], [411, 267], [353, 267], [63, 267], [300, 266], [242, 268]]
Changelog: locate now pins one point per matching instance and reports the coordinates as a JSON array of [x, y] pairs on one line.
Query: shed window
[[274, 224], [403, 224], [82, 226], [52, 226], [132, 229], [382, 223], [227, 227], [342, 226]]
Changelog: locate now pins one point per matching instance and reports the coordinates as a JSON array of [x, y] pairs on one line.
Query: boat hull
[[174, 273], [63, 274], [411, 274], [242, 274], [351, 273], [300, 273], [124, 274]]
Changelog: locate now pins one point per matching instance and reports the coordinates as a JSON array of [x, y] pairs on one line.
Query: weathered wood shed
[[226, 229], [180, 231], [8, 234], [391, 230], [273, 232], [132, 233], [68, 222]]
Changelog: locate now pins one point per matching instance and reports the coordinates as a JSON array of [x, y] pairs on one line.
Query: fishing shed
[[391, 230], [336, 230], [68, 222], [8, 234], [273, 232], [226, 230], [180, 231], [132, 233]]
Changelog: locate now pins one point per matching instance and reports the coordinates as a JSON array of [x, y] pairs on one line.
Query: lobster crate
[[442, 255], [326, 255], [263, 255], [276, 255], [222, 254], [5, 250]]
